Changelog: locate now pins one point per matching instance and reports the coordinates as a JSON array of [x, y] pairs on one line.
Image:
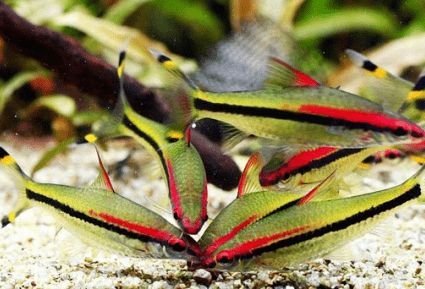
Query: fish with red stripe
[[270, 231], [101, 217], [181, 164], [293, 108], [313, 165]]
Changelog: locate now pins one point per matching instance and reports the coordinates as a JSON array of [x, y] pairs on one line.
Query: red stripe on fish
[[223, 239], [247, 247], [301, 159], [134, 227], [380, 120]]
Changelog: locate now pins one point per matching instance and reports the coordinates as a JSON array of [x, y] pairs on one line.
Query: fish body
[[305, 115], [314, 165], [301, 232], [181, 164], [102, 217], [293, 108]]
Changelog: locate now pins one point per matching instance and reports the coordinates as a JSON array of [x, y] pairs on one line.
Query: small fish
[[253, 204], [303, 230], [313, 165], [104, 219], [181, 163], [295, 109]]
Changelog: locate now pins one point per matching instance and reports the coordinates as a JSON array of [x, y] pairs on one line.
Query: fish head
[[187, 185]]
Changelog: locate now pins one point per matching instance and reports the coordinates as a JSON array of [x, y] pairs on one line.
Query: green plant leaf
[[345, 20], [122, 9], [8, 88], [61, 104], [87, 117], [51, 154], [111, 35]]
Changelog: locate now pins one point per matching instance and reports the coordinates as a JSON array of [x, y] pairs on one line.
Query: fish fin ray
[[348, 252], [231, 136], [103, 174], [322, 190], [249, 181], [281, 74]]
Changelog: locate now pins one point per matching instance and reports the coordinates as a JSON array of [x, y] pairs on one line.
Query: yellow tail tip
[[7, 160], [379, 73], [91, 138], [11, 217]]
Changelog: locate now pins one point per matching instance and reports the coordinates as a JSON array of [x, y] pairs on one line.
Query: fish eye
[[400, 131], [224, 258], [175, 215], [177, 244]]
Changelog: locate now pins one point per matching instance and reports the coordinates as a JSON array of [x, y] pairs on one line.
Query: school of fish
[[313, 135]]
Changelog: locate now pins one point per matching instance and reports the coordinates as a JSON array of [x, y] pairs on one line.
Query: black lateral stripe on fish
[[273, 177], [409, 195], [201, 104], [130, 125], [79, 215]]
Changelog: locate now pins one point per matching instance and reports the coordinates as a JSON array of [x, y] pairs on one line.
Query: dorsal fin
[[318, 190], [281, 74], [102, 181], [249, 181]]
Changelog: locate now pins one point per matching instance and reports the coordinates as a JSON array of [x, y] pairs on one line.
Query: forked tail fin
[[108, 126], [183, 90], [9, 163]]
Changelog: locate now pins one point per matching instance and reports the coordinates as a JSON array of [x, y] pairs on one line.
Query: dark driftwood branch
[[73, 64]]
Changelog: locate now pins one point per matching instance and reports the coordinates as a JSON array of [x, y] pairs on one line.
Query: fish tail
[[108, 126], [417, 94], [419, 178], [363, 62], [182, 103], [9, 163]]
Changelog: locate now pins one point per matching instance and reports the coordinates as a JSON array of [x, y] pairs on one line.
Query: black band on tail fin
[[121, 57], [420, 84], [369, 65], [3, 153], [162, 58], [5, 221]]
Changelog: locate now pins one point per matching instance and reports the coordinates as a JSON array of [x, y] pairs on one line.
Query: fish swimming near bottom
[[101, 217], [297, 230]]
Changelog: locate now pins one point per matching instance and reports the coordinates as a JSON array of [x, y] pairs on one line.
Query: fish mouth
[[191, 227]]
